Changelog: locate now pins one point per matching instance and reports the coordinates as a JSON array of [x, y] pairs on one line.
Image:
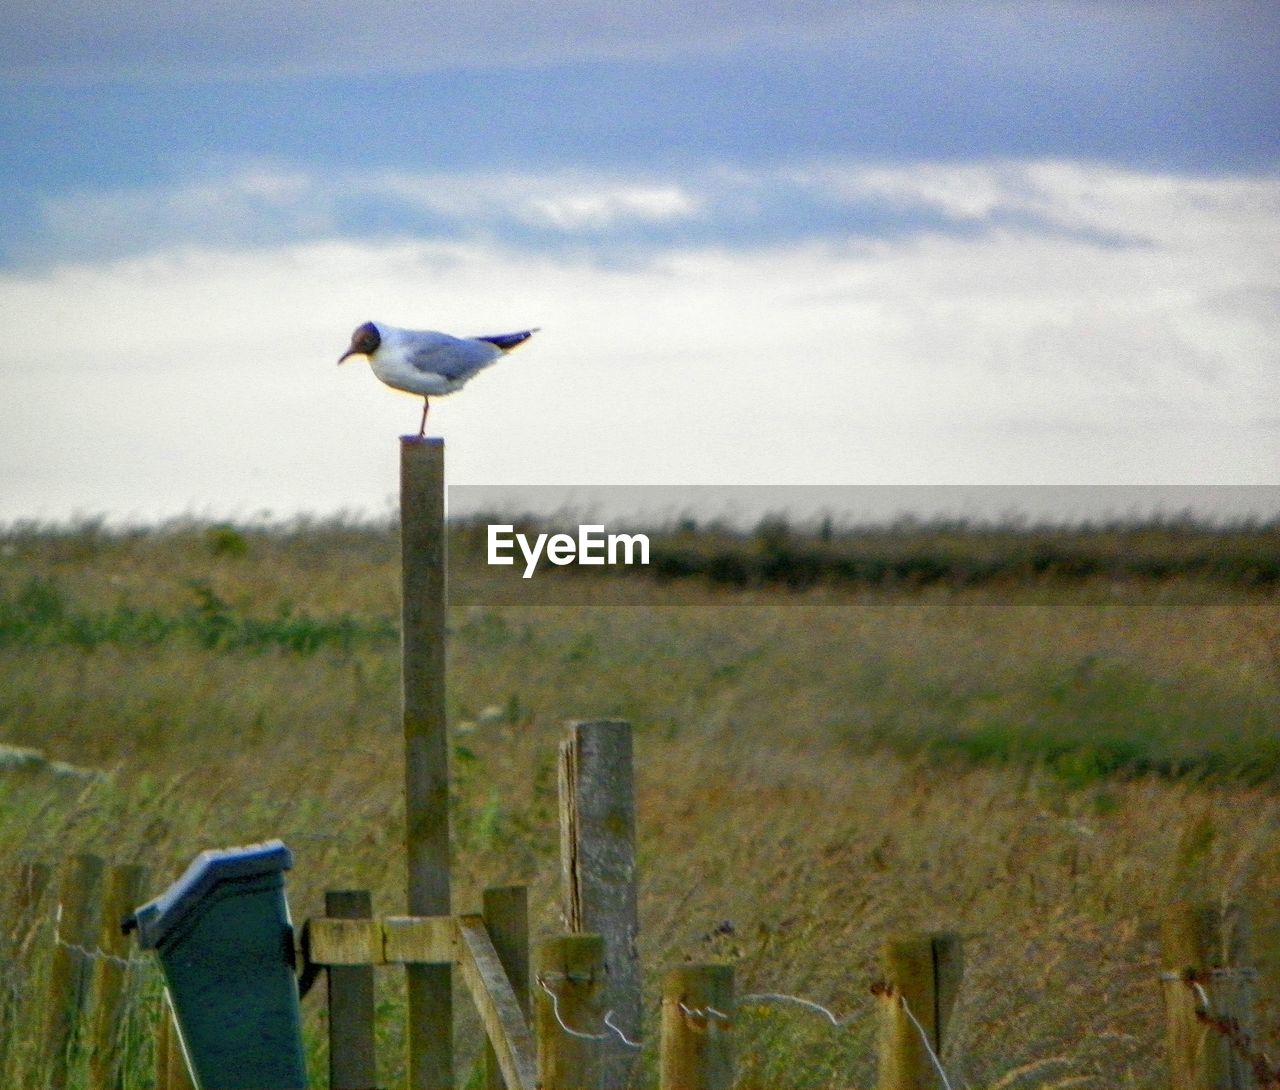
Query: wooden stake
[[20, 901], [922, 974], [598, 867], [172, 1072], [352, 1055], [569, 1027], [697, 1023], [423, 552], [506, 917], [126, 889], [72, 969], [1209, 997]]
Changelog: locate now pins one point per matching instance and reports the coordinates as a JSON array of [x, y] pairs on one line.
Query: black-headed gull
[[425, 362]]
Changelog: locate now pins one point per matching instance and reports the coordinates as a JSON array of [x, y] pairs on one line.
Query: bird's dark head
[[364, 342]]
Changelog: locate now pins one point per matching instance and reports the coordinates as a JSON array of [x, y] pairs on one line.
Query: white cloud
[[202, 379], [564, 201], [574, 211], [1109, 201], [1234, 219]]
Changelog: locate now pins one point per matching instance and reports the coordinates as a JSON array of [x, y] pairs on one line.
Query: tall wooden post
[[422, 555], [598, 868], [923, 974], [1209, 993]]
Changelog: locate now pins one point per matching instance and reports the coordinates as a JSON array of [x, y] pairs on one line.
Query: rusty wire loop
[[1237, 1037]]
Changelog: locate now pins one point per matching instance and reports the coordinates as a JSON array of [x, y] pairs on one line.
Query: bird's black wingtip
[[508, 341]]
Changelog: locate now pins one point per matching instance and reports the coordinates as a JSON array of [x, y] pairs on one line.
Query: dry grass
[[787, 784]]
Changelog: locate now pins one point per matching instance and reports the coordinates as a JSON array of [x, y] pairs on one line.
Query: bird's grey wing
[[451, 357]]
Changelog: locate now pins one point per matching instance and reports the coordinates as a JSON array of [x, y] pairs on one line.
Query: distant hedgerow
[[40, 614]]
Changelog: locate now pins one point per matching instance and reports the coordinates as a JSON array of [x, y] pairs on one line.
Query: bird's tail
[[508, 341]]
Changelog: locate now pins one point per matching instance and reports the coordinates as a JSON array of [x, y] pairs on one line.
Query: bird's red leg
[[422, 430]]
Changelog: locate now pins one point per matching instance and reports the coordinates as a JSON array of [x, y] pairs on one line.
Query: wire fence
[[990, 1041], [610, 1029]]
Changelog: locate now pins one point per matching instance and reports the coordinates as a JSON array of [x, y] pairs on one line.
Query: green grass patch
[[41, 614]]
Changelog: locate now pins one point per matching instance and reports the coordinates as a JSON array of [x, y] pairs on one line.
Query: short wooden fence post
[[506, 918], [569, 978], [76, 922], [172, 1072], [922, 978], [696, 1051], [598, 868], [20, 916], [1209, 997], [352, 1056], [126, 888]]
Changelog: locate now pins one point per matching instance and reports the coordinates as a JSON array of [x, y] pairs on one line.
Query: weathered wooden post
[[25, 884], [78, 913], [598, 868], [569, 1010], [352, 1055], [506, 918], [172, 1070], [1209, 997], [126, 887], [20, 901], [423, 558], [922, 978], [696, 1051]]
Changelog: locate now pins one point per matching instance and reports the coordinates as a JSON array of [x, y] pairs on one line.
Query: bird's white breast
[[393, 369]]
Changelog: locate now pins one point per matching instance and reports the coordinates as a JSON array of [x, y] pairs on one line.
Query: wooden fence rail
[[411, 941]]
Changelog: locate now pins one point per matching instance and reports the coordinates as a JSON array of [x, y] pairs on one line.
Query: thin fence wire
[[928, 1045], [760, 999], [756, 999], [92, 953], [611, 1028], [27, 950]]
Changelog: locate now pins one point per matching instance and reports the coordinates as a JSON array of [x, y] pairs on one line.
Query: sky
[[767, 243]]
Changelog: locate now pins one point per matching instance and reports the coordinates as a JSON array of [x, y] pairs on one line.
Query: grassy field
[[1039, 763]]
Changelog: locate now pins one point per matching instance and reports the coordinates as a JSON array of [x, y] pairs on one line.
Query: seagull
[[425, 362]]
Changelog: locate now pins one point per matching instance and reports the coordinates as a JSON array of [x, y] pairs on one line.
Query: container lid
[[208, 870]]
